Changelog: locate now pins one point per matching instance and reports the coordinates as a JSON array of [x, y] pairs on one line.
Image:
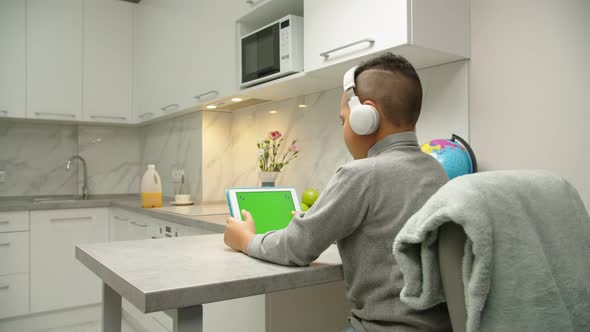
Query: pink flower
[[274, 135], [294, 148]]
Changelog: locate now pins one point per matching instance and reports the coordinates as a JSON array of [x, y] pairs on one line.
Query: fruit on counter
[[309, 196], [304, 207]]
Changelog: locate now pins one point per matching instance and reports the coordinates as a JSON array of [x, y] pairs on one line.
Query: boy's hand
[[238, 233]]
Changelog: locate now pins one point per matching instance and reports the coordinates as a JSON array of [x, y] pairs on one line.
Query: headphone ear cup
[[364, 119]]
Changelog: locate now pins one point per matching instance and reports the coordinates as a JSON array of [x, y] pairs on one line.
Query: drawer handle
[[71, 219], [107, 117], [146, 115], [5, 112], [213, 93], [4, 244], [121, 218], [4, 222], [5, 286], [326, 54], [137, 224], [67, 115], [170, 108]]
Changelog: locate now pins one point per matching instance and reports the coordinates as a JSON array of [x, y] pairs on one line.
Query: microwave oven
[[272, 51]]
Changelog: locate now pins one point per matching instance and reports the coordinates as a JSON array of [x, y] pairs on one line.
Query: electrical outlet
[[177, 175], [2, 176]]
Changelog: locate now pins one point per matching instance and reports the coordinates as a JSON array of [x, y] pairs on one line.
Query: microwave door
[[261, 54]]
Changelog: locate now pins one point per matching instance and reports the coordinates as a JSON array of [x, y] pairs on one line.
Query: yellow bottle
[[151, 188]]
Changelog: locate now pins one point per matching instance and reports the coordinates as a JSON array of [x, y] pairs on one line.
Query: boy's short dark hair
[[398, 92]]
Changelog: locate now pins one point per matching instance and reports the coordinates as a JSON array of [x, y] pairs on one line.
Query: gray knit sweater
[[363, 208]]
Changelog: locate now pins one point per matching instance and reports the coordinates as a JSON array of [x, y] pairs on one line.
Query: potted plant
[[270, 161]]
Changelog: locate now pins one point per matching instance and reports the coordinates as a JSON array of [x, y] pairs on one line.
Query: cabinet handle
[[371, 41], [4, 244], [170, 108], [213, 93], [146, 115], [70, 219], [67, 115], [5, 286], [108, 117], [5, 112], [137, 224], [4, 221], [121, 218]]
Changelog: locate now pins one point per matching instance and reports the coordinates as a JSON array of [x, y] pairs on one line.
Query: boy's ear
[[375, 105]]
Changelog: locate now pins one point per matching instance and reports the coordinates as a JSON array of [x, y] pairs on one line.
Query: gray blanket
[[526, 265]]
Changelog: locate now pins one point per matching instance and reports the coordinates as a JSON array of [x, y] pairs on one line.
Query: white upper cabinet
[[108, 61], [12, 58], [54, 59], [427, 32], [213, 66], [159, 54]]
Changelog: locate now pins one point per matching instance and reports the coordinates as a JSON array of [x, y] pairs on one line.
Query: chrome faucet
[[85, 186]]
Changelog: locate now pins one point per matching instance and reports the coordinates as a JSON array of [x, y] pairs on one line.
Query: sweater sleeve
[[339, 210]]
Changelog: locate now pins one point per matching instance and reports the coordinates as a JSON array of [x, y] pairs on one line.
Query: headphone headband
[[348, 81]]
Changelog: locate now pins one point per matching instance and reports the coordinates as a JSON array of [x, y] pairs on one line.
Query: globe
[[455, 155]]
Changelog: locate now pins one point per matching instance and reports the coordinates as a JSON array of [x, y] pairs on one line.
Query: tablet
[[270, 206]]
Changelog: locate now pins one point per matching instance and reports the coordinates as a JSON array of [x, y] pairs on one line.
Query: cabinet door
[[213, 67], [54, 59], [14, 252], [12, 58], [332, 24], [160, 58], [58, 280], [108, 51], [14, 295]]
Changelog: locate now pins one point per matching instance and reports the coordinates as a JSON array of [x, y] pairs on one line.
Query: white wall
[[530, 86]]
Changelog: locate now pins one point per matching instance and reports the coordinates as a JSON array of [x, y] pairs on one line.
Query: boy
[[366, 202]]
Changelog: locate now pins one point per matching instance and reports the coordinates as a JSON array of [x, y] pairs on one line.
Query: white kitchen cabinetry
[[14, 263], [12, 58], [127, 225], [54, 59], [58, 280], [214, 69], [108, 61], [160, 58], [14, 295], [427, 32]]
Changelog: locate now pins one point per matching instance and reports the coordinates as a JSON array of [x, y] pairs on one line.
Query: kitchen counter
[[197, 270], [210, 216]]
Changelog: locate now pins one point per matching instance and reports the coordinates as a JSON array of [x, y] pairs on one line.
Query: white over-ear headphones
[[364, 119]]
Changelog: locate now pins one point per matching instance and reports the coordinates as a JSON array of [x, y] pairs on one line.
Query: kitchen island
[[179, 275]]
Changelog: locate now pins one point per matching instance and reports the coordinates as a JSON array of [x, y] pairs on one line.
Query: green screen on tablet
[[270, 210]]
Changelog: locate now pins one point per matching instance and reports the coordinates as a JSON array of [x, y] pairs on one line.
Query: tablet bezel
[[232, 198]]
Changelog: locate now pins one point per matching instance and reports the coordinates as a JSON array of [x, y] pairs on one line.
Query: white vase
[[268, 179]]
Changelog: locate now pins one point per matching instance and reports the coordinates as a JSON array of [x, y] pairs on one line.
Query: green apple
[[309, 196], [304, 207]]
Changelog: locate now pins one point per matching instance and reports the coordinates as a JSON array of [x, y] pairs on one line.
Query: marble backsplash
[[175, 144], [34, 156]]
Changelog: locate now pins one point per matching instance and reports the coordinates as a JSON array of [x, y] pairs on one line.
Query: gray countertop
[[210, 216], [171, 273]]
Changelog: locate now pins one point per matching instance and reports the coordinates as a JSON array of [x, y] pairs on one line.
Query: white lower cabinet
[[58, 280], [14, 253], [14, 295], [14, 263]]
